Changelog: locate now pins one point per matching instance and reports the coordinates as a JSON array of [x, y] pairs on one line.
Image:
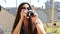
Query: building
[[6, 20], [56, 17]]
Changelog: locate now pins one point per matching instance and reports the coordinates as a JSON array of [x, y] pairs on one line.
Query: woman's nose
[[26, 11]]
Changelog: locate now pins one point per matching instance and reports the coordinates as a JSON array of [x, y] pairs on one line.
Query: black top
[[23, 30]]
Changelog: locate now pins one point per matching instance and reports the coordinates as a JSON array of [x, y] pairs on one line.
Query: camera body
[[30, 13]]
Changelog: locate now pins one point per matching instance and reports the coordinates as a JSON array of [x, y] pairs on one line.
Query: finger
[[35, 14], [22, 11]]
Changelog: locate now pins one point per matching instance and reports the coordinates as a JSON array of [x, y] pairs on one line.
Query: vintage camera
[[30, 13]]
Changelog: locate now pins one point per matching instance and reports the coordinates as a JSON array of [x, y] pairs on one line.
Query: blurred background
[[48, 11]]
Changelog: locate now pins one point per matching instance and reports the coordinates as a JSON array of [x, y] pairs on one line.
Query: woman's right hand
[[23, 13]]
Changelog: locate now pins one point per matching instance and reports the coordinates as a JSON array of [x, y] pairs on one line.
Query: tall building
[[57, 4], [56, 13], [48, 9]]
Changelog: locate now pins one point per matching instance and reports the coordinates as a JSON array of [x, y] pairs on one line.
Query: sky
[[14, 3]]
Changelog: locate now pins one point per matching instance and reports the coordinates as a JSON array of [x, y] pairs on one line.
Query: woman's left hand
[[35, 17]]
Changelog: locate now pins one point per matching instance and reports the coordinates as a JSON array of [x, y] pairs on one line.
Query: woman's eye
[[28, 8], [23, 8]]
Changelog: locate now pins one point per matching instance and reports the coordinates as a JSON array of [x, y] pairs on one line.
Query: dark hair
[[18, 16]]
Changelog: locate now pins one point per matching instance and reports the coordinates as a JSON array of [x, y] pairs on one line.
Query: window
[[0, 8], [58, 14]]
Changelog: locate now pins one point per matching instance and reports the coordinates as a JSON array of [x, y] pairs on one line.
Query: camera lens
[[30, 13]]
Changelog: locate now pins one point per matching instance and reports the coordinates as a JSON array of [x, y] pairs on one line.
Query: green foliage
[[53, 30], [58, 30]]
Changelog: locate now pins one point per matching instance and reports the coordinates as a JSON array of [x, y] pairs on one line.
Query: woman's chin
[[27, 17]]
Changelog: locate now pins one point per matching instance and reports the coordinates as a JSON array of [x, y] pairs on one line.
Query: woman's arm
[[39, 27], [38, 24], [18, 27]]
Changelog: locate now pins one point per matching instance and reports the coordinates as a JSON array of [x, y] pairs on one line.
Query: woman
[[27, 25]]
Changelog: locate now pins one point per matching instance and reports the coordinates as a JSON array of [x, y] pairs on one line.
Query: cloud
[[12, 3], [9, 3]]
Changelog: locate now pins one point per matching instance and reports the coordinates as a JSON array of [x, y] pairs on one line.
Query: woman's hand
[[34, 18], [23, 13]]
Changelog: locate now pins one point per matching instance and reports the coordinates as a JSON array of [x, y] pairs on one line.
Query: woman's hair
[[18, 15]]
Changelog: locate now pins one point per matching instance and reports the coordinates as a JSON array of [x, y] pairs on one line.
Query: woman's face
[[25, 8]]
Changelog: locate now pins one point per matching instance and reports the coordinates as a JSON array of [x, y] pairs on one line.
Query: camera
[[30, 13]]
